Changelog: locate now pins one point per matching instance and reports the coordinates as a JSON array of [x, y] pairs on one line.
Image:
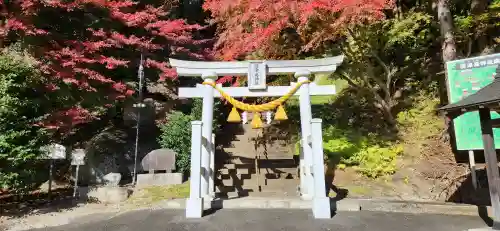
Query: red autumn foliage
[[83, 43], [253, 27]]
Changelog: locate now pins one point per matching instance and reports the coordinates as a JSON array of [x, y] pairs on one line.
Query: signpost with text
[[465, 77]]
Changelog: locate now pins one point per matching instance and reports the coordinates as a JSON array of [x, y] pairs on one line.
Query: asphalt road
[[267, 220]]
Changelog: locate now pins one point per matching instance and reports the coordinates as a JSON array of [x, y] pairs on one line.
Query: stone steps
[[277, 194], [279, 162], [277, 169], [252, 186]]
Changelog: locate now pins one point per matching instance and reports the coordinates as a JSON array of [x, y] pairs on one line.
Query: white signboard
[[54, 151], [257, 76], [78, 157]]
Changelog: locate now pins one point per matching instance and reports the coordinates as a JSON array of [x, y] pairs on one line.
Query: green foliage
[[421, 121], [176, 135], [367, 154], [176, 132], [412, 31], [471, 27], [375, 161], [21, 107], [387, 60]]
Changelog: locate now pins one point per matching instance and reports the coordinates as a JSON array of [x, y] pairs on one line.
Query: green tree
[[176, 132], [22, 102], [382, 59]]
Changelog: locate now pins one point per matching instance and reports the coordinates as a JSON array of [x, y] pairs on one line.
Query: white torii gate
[[202, 147]]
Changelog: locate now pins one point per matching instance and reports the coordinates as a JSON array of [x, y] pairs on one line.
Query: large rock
[[112, 179], [113, 151], [107, 194], [160, 159]]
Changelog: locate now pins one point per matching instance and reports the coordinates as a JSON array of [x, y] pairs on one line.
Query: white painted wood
[[472, 165], [257, 73], [197, 92], [194, 204], [321, 203], [240, 68], [207, 118], [211, 185], [244, 117], [317, 160], [305, 124]]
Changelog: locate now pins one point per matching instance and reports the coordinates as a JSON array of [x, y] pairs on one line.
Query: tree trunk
[[448, 48], [446, 25], [386, 109]]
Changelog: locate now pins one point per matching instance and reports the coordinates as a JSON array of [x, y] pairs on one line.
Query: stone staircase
[[257, 166]]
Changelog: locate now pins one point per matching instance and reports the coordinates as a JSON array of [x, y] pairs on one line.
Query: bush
[[367, 154], [21, 107], [176, 135], [176, 132]]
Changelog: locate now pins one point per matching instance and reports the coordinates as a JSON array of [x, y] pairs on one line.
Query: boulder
[[159, 159], [107, 194], [112, 179]]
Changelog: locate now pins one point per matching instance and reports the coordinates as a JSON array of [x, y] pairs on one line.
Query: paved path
[[268, 220]]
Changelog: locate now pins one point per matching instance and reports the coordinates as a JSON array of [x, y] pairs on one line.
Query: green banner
[[465, 77]]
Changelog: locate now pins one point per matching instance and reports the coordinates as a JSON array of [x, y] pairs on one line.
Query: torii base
[[194, 207], [321, 208]]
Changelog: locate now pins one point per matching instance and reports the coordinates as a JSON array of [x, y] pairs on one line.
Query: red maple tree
[[87, 46], [255, 27]]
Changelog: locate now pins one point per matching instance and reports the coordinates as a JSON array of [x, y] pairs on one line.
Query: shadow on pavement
[[483, 214], [37, 203]]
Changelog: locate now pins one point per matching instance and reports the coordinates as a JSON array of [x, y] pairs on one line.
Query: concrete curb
[[426, 207], [258, 203]]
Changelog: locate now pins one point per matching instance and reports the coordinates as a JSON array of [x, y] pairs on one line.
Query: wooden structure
[[312, 183], [486, 100]]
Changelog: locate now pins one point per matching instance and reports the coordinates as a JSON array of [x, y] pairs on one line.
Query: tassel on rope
[[234, 116], [256, 121], [280, 114]]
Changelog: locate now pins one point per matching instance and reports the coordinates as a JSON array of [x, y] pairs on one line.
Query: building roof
[[488, 96]]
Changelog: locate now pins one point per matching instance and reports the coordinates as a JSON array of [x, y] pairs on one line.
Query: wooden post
[[207, 119], [472, 165], [321, 203], [490, 157], [194, 204], [307, 183], [211, 185]]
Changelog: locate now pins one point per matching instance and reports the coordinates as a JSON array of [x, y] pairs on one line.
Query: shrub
[[176, 135], [176, 132], [367, 154], [21, 107]]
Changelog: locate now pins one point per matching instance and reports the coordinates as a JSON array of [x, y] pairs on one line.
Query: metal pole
[[141, 76], [76, 181], [50, 178]]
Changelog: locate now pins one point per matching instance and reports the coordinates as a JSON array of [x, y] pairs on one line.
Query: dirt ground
[[427, 171]]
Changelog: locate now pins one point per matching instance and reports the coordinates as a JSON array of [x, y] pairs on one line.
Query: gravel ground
[[53, 216]]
